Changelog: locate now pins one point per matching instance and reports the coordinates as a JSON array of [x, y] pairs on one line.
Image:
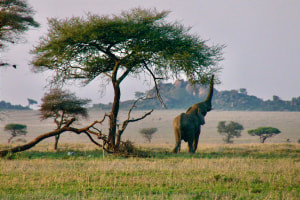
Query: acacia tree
[[230, 130], [15, 130], [115, 47], [16, 16], [62, 106], [147, 133], [264, 133]]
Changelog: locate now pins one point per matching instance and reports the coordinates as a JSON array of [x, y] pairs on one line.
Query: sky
[[262, 39]]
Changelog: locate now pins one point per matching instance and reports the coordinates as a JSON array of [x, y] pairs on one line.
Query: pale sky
[[262, 39]]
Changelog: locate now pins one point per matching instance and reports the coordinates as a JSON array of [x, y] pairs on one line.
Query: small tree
[[231, 130], [264, 133], [147, 133], [16, 16], [31, 102], [62, 106], [15, 130]]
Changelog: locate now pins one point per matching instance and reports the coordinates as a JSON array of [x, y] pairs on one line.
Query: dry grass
[[244, 170], [183, 176]]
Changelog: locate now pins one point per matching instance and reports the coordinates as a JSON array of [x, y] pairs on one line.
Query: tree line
[[182, 94]]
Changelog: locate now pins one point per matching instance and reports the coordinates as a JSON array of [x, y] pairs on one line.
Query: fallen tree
[[88, 130]]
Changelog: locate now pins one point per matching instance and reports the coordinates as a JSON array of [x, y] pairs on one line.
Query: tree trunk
[[262, 139], [56, 142], [114, 115]]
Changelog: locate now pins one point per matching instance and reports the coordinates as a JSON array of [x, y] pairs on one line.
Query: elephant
[[187, 126]]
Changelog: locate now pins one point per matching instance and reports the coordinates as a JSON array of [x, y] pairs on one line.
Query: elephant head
[[187, 126], [205, 106]]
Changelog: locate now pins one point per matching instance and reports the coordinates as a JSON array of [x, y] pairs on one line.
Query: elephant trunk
[[210, 93]]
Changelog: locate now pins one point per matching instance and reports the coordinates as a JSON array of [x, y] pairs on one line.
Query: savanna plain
[[245, 169]]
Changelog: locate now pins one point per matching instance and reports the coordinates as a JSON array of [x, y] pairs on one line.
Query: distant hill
[[8, 106], [182, 95]]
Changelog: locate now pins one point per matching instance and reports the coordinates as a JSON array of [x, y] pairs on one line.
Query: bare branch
[[56, 132], [156, 85], [128, 120], [90, 137]]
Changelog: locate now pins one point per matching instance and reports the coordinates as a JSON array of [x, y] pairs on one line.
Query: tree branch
[[56, 132], [128, 120], [127, 71], [156, 85]]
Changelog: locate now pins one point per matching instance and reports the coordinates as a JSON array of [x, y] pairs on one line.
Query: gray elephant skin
[[187, 126]]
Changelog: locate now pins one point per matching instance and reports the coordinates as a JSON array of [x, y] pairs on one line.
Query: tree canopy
[[15, 130], [134, 42], [264, 132], [230, 130], [59, 104], [15, 18]]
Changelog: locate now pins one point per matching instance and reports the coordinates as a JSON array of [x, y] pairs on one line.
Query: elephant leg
[[195, 142], [190, 143], [177, 147]]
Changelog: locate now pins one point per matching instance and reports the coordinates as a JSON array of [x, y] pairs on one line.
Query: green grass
[[269, 171]]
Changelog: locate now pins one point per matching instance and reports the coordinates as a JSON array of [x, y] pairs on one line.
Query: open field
[[244, 171], [287, 122]]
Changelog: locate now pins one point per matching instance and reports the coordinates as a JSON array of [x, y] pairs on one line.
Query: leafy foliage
[[88, 47], [62, 104], [15, 19], [15, 130], [230, 130], [264, 132]]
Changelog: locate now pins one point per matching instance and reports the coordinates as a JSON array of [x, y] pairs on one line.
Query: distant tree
[[62, 106], [276, 98], [115, 47], [15, 130], [147, 133], [243, 91], [231, 130], [31, 102], [16, 16], [264, 133]]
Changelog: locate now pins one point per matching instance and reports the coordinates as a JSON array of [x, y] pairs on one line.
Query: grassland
[[244, 171]]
